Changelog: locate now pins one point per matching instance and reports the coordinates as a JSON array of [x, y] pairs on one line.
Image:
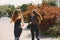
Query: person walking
[[17, 18], [34, 23]]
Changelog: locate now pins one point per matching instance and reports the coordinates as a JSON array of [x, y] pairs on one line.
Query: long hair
[[15, 14], [37, 17]]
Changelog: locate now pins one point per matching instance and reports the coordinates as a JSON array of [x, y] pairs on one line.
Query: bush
[[53, 31], [23, 7], [51, 3]]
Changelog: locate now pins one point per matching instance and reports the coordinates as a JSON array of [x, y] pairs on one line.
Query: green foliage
[[6, 9], [23, 7], [10, 9], [51, 3], [18, 7], [53, 31]]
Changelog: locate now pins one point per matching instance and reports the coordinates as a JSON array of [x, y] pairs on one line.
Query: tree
[[50, 2], [23, 7], [10, 9], [6, 9]]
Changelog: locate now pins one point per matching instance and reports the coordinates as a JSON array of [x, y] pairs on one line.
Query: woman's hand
[[22, 24]]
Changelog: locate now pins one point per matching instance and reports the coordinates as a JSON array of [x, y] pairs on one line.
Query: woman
[[17, 18], [35, 22]]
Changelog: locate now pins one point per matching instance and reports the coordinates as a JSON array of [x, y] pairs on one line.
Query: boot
[[38, 38], [16, 38]]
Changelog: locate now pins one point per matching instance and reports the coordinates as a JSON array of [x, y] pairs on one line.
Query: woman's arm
[[39, 16], [22, 22]]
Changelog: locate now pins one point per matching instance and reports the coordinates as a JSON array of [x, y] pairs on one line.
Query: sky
[[19, 2]]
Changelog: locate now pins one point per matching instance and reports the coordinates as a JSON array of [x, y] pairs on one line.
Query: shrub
[[24, 7]]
